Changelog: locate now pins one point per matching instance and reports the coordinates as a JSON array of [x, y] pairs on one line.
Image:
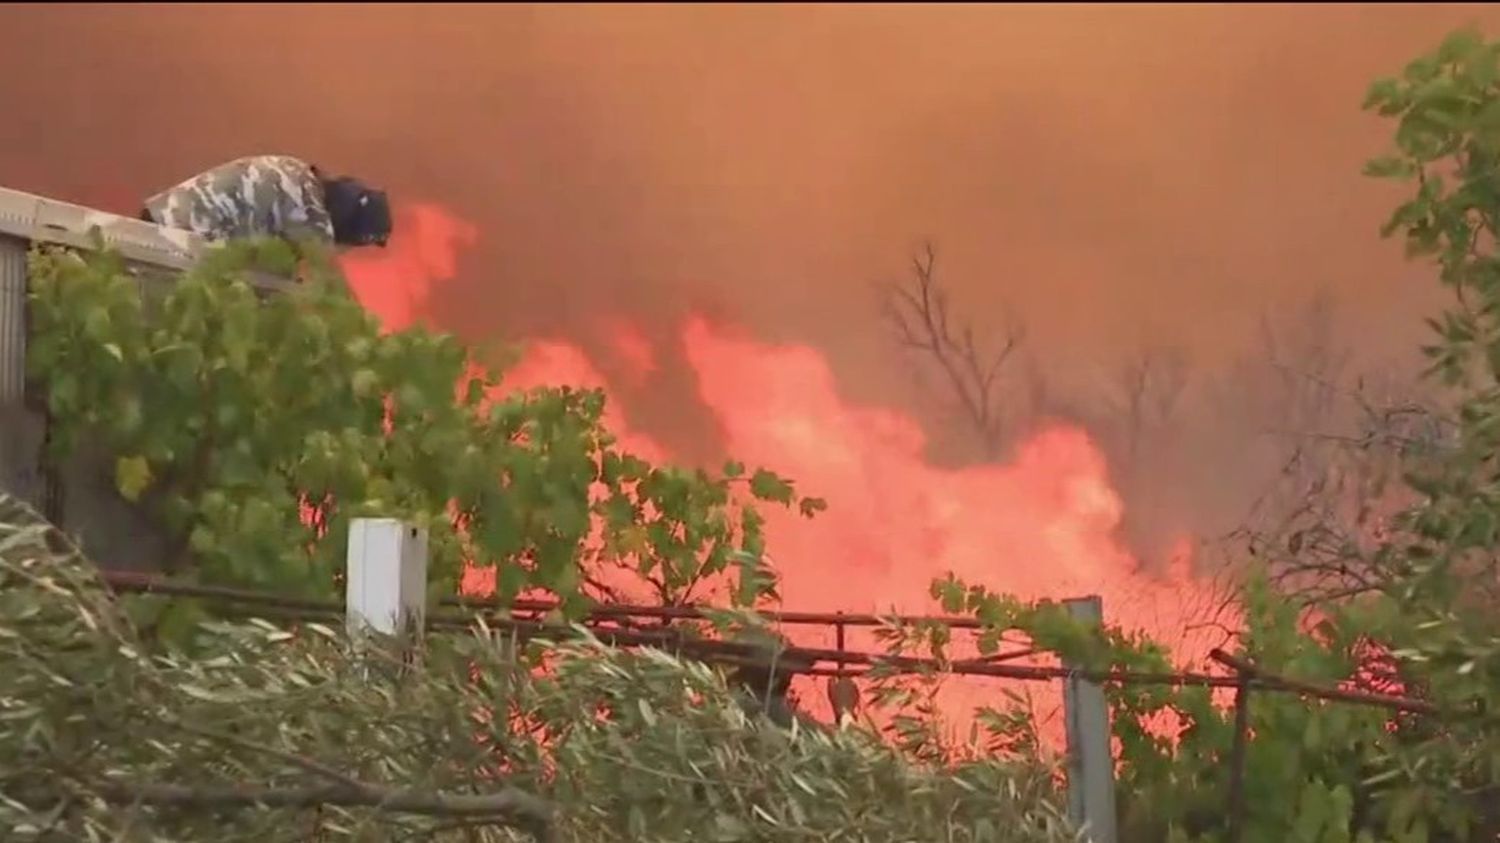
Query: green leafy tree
[[253, 428], [1439, 616]]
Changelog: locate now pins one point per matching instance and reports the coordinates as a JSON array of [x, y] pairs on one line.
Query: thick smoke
[[1117, 178]]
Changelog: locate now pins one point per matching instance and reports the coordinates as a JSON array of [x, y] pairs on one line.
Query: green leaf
[[769, 487], [1422, 69], [1390, 166], [365, 382], [810, 507], [510, 578], [951, 593], [178, 624], [132, 476], [1381, 92], [1460, 45]]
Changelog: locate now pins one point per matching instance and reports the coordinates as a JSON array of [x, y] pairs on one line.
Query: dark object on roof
[[361, 215], [274, 196]]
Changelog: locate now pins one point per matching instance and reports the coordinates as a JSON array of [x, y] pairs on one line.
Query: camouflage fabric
[[260, 196]]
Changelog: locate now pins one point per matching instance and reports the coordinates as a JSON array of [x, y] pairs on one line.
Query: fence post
[[22, 429], [386, 580], [1237, 757], [1091, 766]]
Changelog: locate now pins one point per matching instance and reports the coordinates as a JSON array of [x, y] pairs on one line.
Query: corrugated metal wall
[[20, 429], [113, 532], [84, 502], [12, 320], [82, 497]]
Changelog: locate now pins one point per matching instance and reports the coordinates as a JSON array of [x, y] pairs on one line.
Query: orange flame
[[395, 283], [1043, 525]]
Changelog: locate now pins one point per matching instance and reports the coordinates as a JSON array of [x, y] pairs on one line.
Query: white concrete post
[[1091, 765], [386, 590]]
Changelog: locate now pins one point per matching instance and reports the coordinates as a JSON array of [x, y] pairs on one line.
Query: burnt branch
[[918, 311], [1339, 496], [1151, 382]]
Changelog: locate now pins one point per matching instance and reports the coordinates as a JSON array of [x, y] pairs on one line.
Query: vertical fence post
[[21, 430], [843, 694], [1091, 766], [386, 580], [1237, 758], [1244, 674]]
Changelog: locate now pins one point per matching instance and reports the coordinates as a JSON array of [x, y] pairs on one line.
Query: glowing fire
[[395, 283], [1043, 525]]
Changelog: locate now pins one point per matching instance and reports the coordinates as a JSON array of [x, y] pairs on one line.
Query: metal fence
[[386, 589]]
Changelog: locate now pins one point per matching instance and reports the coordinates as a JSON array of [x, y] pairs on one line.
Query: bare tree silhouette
[[1148, 387], [918, 311]]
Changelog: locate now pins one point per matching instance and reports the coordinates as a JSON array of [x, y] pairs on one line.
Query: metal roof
[[41, 220]]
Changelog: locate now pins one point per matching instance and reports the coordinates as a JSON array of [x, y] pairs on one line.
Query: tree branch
[[919, 315], [308, 764], [508, 806]]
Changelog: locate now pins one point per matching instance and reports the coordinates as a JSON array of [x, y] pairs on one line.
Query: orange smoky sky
[[1107, 173]]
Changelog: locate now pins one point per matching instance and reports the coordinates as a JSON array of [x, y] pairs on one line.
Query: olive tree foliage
[[272, 733], [252, 429]]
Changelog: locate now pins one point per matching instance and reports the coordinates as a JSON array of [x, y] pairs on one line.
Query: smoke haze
[[1108, 175]]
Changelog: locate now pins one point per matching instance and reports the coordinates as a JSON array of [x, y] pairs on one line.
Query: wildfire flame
[[1043, 525]]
